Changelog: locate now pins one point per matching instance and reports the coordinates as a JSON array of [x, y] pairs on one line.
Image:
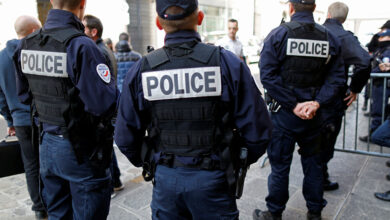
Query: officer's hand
[[11, 131], [384, 67], [298, 110], [309, 110], [351, 97]]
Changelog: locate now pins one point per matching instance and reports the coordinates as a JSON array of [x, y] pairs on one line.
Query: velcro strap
[[202, 52], [200, 139], [156, 58]]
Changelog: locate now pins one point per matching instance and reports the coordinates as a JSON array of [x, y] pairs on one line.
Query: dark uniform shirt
[[352, 54], [83, 56], [383, 54], [273, 55], [107, 53], [238, 87]]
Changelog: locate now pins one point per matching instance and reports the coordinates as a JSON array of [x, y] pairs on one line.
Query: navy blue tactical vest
[[56, 99], [307, 54], [43, 62], [183, 84]]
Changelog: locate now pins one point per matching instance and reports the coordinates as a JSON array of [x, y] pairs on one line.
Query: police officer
[[302, 71], [189, 96], [352, 54], [380, 57], [94, 30], [62, 73]]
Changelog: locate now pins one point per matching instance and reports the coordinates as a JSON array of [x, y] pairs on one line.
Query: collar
[[333, 21], [181, 36], [60, 19], [306, 17], [98, 41]]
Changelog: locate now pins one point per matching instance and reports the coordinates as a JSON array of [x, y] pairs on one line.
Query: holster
[[101, 155], [148, 163]]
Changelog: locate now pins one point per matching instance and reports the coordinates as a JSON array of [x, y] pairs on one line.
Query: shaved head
[[25, 25]]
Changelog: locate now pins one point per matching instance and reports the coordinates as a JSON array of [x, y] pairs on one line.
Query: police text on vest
[[44, 63], [307, 48], [182, 83]]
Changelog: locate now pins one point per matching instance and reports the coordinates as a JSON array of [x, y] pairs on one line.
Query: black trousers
[[30, 156]]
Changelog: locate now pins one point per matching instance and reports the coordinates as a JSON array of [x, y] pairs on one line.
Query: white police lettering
[[307, 48], [52, 64], [104, 72], [182, 83]]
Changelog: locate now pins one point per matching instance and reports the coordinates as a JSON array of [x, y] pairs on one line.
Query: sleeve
[[4, 110], [241, 50], [354, 54], [270, 61], [385, 54], [335, 79], [89, 71], [22, 87], [249, 111], [129, 130]]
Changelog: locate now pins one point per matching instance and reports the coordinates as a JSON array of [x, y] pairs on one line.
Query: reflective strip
[[307, 48], [182, 83], [44, 63]]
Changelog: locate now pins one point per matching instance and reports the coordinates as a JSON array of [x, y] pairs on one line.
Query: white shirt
[[235, 46]]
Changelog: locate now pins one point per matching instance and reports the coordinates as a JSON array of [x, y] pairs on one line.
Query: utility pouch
[[102, 154]]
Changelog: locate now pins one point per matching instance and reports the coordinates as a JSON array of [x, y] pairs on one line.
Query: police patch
[[307, 48], [43, 63], [104, 72], [182, 83]]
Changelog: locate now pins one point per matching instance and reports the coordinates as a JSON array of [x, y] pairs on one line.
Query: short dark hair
[[94, 22], [232, 20], [124, 36], [71, 4], [108, 41], [299, 7]]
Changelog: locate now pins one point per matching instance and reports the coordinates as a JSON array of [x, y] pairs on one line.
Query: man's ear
[[94, 32], [291, 10], [158, 23], [82, 4], [200, 17]]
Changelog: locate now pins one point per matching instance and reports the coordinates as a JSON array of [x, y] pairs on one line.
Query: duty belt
[[204, 163]]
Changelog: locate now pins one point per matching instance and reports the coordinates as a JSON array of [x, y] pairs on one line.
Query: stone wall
[[142, 24], [43, 9]]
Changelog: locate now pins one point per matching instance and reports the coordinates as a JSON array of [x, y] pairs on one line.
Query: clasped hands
[[306, 110], [384, 67]]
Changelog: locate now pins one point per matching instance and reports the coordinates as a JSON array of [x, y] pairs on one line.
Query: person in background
[[380, 57], [372, 46], [352, 54], [230, 42], [109, 44], [94, 30], [125, 58], [18, 115]]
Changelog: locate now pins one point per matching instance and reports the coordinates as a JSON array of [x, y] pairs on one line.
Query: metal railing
[[368, 149]]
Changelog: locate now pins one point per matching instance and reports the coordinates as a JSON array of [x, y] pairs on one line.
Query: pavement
[[359, 177]]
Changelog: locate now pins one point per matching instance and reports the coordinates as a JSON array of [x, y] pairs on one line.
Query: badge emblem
[[104, 72]]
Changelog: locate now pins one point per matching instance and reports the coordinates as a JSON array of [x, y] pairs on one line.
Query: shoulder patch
[[104, 72]]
